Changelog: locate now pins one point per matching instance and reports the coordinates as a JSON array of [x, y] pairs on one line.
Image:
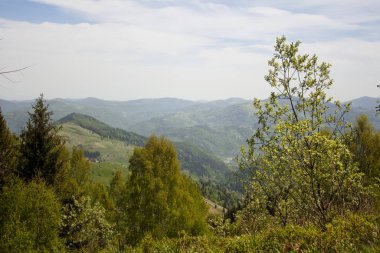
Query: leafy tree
[[8, 151], [73, 178], [118, 193], [79, 167], [29, 217], [366, 148], [305, 172], [40, 144], [117, 185], [161, 202], [84, 226]]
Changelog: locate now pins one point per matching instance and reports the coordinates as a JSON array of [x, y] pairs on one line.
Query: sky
[[190, 49]]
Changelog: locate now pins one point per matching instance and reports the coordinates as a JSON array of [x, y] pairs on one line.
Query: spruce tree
[[40, 145], [8, 151]]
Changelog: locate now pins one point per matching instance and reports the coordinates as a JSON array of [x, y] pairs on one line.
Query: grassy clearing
[[114, 154]]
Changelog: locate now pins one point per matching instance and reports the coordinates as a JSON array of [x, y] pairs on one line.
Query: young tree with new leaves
[[40, 145], [303, 168], [161, 202], [30, 217], [366, 148]]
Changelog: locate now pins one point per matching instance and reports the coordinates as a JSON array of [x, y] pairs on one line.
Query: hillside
[[113, 154], [221, 130], [364, 102], [219, 127], [115, 146], [103, 129]]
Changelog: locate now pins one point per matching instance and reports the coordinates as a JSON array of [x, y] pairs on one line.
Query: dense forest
[[308, 181]]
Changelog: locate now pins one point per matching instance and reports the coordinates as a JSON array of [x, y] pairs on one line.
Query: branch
[[12, 71]]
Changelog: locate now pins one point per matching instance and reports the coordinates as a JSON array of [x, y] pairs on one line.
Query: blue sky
[[193, 49], [23, 10]]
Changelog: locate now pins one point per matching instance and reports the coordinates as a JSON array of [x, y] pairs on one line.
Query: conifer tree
[[40, 144], [8, 151]]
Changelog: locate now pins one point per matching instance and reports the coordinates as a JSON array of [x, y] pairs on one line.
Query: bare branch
[[13, 71]]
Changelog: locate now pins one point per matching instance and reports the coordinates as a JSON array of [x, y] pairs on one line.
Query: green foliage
[[118, 193], [220, 194], [8, 151], [40, 145], [302, 172], [353, 233], [161, 201], [73, 179], [29, 217], [84, 226], [366, 149]]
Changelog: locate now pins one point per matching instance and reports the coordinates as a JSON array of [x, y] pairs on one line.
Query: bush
[[352, 232]]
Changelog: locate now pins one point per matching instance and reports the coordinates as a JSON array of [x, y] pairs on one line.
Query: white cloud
[[198, 50], [355, 66]]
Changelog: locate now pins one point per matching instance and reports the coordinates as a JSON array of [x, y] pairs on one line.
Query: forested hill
[[103, 129], [194, 161], [220, 127]]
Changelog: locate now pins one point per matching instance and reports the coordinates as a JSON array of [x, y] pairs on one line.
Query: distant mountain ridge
[[220, 126], [364, 102]]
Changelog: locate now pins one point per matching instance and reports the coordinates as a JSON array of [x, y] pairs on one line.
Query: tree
[[84, 226], [161, 202], [8, 151], [366, 149], [304, 171], [118, 193], [29, 217], [73, 177], [40, 144]]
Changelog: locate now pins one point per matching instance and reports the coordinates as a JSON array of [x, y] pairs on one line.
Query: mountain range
[[219, 127]]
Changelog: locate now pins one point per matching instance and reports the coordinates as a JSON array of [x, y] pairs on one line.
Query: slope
[[112, 154], [115, 146], [103, 129]]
